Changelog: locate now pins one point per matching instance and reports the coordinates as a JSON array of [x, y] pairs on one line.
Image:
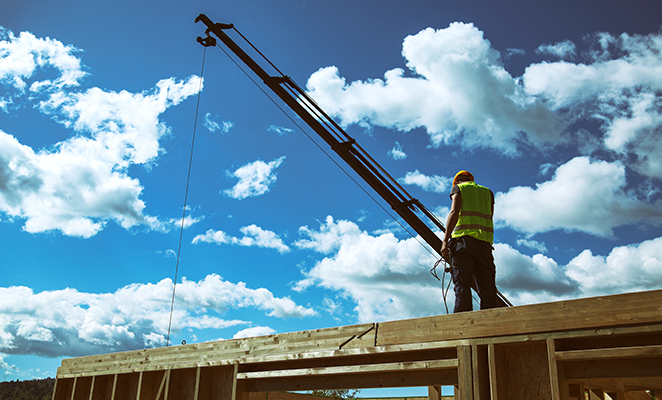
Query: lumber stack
[[559, 351]]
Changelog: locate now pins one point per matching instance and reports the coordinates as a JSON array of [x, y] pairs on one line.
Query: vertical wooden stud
[[114, 390], [480, 372], [464, 373], [434, 393], [491, 359], [553, 370], [140, 384]]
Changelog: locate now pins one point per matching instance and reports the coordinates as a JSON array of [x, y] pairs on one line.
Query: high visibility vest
[[476, 213]]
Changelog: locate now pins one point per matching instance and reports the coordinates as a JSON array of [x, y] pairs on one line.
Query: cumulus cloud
[[619, 86], [253, 236], [280, 130], [22, 56], [253, 332], [534, 279], [538, 276], [76, 186], [213, 126], [583, 195], [397, 153], [460, 92], [563, 50], [625, 269], [388, 278], [71, 323], [255, 179], [434, 183]]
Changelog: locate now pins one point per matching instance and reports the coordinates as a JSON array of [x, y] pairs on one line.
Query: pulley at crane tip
[[209, 41]]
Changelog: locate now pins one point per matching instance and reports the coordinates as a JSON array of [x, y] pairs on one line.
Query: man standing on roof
[[468, 242]]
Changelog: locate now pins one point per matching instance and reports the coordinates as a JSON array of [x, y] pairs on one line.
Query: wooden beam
[[614, 368], [465, 373], [443, 377], [555, 381], [354, 369], [434, 393], [480, 372], [612, 353], [597, 312]]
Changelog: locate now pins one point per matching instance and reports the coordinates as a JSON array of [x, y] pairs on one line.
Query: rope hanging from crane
[[188, 180]]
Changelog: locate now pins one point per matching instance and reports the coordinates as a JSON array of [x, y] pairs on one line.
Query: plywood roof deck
[[552, 350]]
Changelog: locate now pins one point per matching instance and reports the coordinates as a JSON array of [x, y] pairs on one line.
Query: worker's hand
[[445, 254]]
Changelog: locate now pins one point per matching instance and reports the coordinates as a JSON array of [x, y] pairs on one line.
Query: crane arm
[[340, 142]]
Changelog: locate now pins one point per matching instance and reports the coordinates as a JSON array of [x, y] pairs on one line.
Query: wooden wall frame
[[558, 351]]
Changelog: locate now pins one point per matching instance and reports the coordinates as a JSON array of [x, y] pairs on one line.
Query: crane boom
[[340, 142]]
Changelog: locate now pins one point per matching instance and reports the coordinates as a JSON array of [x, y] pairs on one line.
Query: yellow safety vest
[[476, 213]]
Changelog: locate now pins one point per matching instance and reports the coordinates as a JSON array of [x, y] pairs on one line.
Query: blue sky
[[553, 105]]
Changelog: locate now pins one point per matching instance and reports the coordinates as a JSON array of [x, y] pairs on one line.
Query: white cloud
[[253, 332], [76, 186], [21, 56], [583, 195], [4, 366], [532, 244], [83, 181], [618, 86], [397, 153], [522, 278], [282, 131], [213, 126], [526, 280], [255, 179], [563, 50], [253, 236], [434, 183], [170, 224], [627, 268], [70, 323], [461, 92], [388, 278]]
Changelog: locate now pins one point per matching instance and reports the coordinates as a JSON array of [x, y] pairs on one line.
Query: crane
[[346, 147]]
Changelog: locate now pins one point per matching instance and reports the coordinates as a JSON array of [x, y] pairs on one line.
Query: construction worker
[[468, 242]]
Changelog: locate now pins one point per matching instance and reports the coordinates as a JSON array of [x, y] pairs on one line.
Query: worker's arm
[[453, 216]]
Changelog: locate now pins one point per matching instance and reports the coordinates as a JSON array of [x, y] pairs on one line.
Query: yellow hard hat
[[466, 175]]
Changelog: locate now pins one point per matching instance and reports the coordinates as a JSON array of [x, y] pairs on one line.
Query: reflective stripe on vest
[[476, 213]]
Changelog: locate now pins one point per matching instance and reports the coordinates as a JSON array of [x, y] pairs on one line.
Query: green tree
[[343, 394]]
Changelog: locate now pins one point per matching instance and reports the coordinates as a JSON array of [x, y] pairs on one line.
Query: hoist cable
[[188, 180]]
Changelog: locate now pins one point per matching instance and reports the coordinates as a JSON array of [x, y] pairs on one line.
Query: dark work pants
[[472, 260]]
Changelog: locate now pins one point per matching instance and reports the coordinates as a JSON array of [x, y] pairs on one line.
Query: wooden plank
[[354, 369], [162, 385], [619, 352], [614, 368], [113, 389], [196, 389], [138, 362], [312, 340], [354, 381], [525, 371], [554, 380], [480, 372], [492, 360], [464, 372], [140, 384], [607, 311], [434, 393]]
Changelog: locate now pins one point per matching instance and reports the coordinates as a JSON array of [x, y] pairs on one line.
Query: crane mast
[[340, 142]]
